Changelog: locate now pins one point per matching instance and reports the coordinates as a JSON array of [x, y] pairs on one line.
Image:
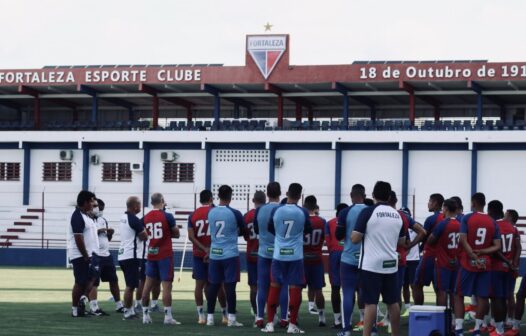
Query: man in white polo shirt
[[380, 230], [82, 242]]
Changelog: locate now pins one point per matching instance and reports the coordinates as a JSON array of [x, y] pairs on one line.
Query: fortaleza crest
[[266, 51]]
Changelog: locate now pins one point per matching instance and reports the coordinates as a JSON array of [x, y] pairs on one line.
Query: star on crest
[[268, 27]]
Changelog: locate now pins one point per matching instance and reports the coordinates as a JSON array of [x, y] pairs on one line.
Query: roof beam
[[345, 91], [174, 100], [112, 100], [476, 87], [411, 90]]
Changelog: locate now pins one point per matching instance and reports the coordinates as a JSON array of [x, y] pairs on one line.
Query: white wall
[[368, 166], [244, 170], [444, 172], [501, 176], [314, 170], [115, 194], [11, 191], [57, 194], [180, 195]]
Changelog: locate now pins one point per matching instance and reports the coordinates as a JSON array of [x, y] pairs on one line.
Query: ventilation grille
[[227, 155], [241, 192]]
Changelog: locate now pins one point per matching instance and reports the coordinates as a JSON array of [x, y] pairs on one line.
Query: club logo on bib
[[266, 51]]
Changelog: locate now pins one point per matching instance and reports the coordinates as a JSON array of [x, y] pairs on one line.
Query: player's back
[[313, 241], [289, 222], [402, 251], [333, 244], [429, 226], [130, 246], [508, 234], [266, 239], [447, 244], [347, 218], [252, 237], [480, 230], [159, 225], [198, 221], [224, 224]]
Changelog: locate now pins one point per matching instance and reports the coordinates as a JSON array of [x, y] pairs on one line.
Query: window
[[9, 171], [56, 171], [116, 172], [178, 172]]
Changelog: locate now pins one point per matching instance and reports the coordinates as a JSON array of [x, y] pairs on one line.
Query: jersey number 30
[[155, 230]]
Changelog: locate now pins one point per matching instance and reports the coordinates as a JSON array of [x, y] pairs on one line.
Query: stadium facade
[[453, 127]]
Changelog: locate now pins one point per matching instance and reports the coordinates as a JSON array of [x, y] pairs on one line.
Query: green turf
[[36, 301]]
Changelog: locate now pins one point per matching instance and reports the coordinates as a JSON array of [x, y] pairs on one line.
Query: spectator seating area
[[263, 125]]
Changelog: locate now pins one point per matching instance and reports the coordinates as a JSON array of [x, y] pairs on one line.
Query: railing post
[[43, 219]]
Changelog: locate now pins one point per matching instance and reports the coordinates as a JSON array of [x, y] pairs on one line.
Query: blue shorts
[[314, 276], [162, 270], [291, 273], [264, 265], [334, 268], [410, 271], [252, 272], [199, 269], [378, 283], [500, 283], [106, 267], [225, 270], [400, 277], [133, 270], [445, 279], [473, 283], [83, 271], [425, 271]]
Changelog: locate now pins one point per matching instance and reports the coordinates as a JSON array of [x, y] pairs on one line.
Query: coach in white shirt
[[82, 243], [380, 229]]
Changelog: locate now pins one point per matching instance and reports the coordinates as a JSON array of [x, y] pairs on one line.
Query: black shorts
[[410, 271], [106, 269], [133, 270], [83, 271], [379, 283]]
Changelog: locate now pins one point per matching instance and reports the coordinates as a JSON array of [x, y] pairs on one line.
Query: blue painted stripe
[[501, 146], [474, 169], [338, 175], [146, 175], [85, 167], [303, 146], [112, 145], [405, 175], [438, 146], [174, 145], [369, 146], [272, 163], [233, 145], [9, 145], [53, 145], [27, 173], [208, 167]]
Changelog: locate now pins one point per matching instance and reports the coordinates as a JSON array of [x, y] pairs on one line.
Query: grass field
[[36, 301]]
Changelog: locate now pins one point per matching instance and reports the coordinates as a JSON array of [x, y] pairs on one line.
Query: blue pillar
[[345, 114], [474, 169], [236, 111], [26, 173], [479, 107], [94, 108], [130, 113], [146, 174], [272, 163], [373, 112], [217, 108], [85, 167], [208, 167], [405, 175], [338, 175]]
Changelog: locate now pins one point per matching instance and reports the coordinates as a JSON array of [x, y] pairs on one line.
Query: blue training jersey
[[289, 222], [261, 222], [224, 223], [347, 218]]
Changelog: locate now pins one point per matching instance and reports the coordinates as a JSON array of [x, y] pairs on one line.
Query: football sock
[[321, 315], [272, 302], [295, 302], [145, 311], [261, 299], [168, 313], [284, 302], [118, 304], [459, 324], [200, 311], [231, 317], [93, 304], [74, 311], [154, 303], [213, 289], [362, 314], [337, 318], [499, 326], [230, 291], [311, 305]]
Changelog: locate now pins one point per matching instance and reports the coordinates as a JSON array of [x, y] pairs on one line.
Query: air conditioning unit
[[169, 156], [278, 163], [66, 155], [136, 167], [94, 159]]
